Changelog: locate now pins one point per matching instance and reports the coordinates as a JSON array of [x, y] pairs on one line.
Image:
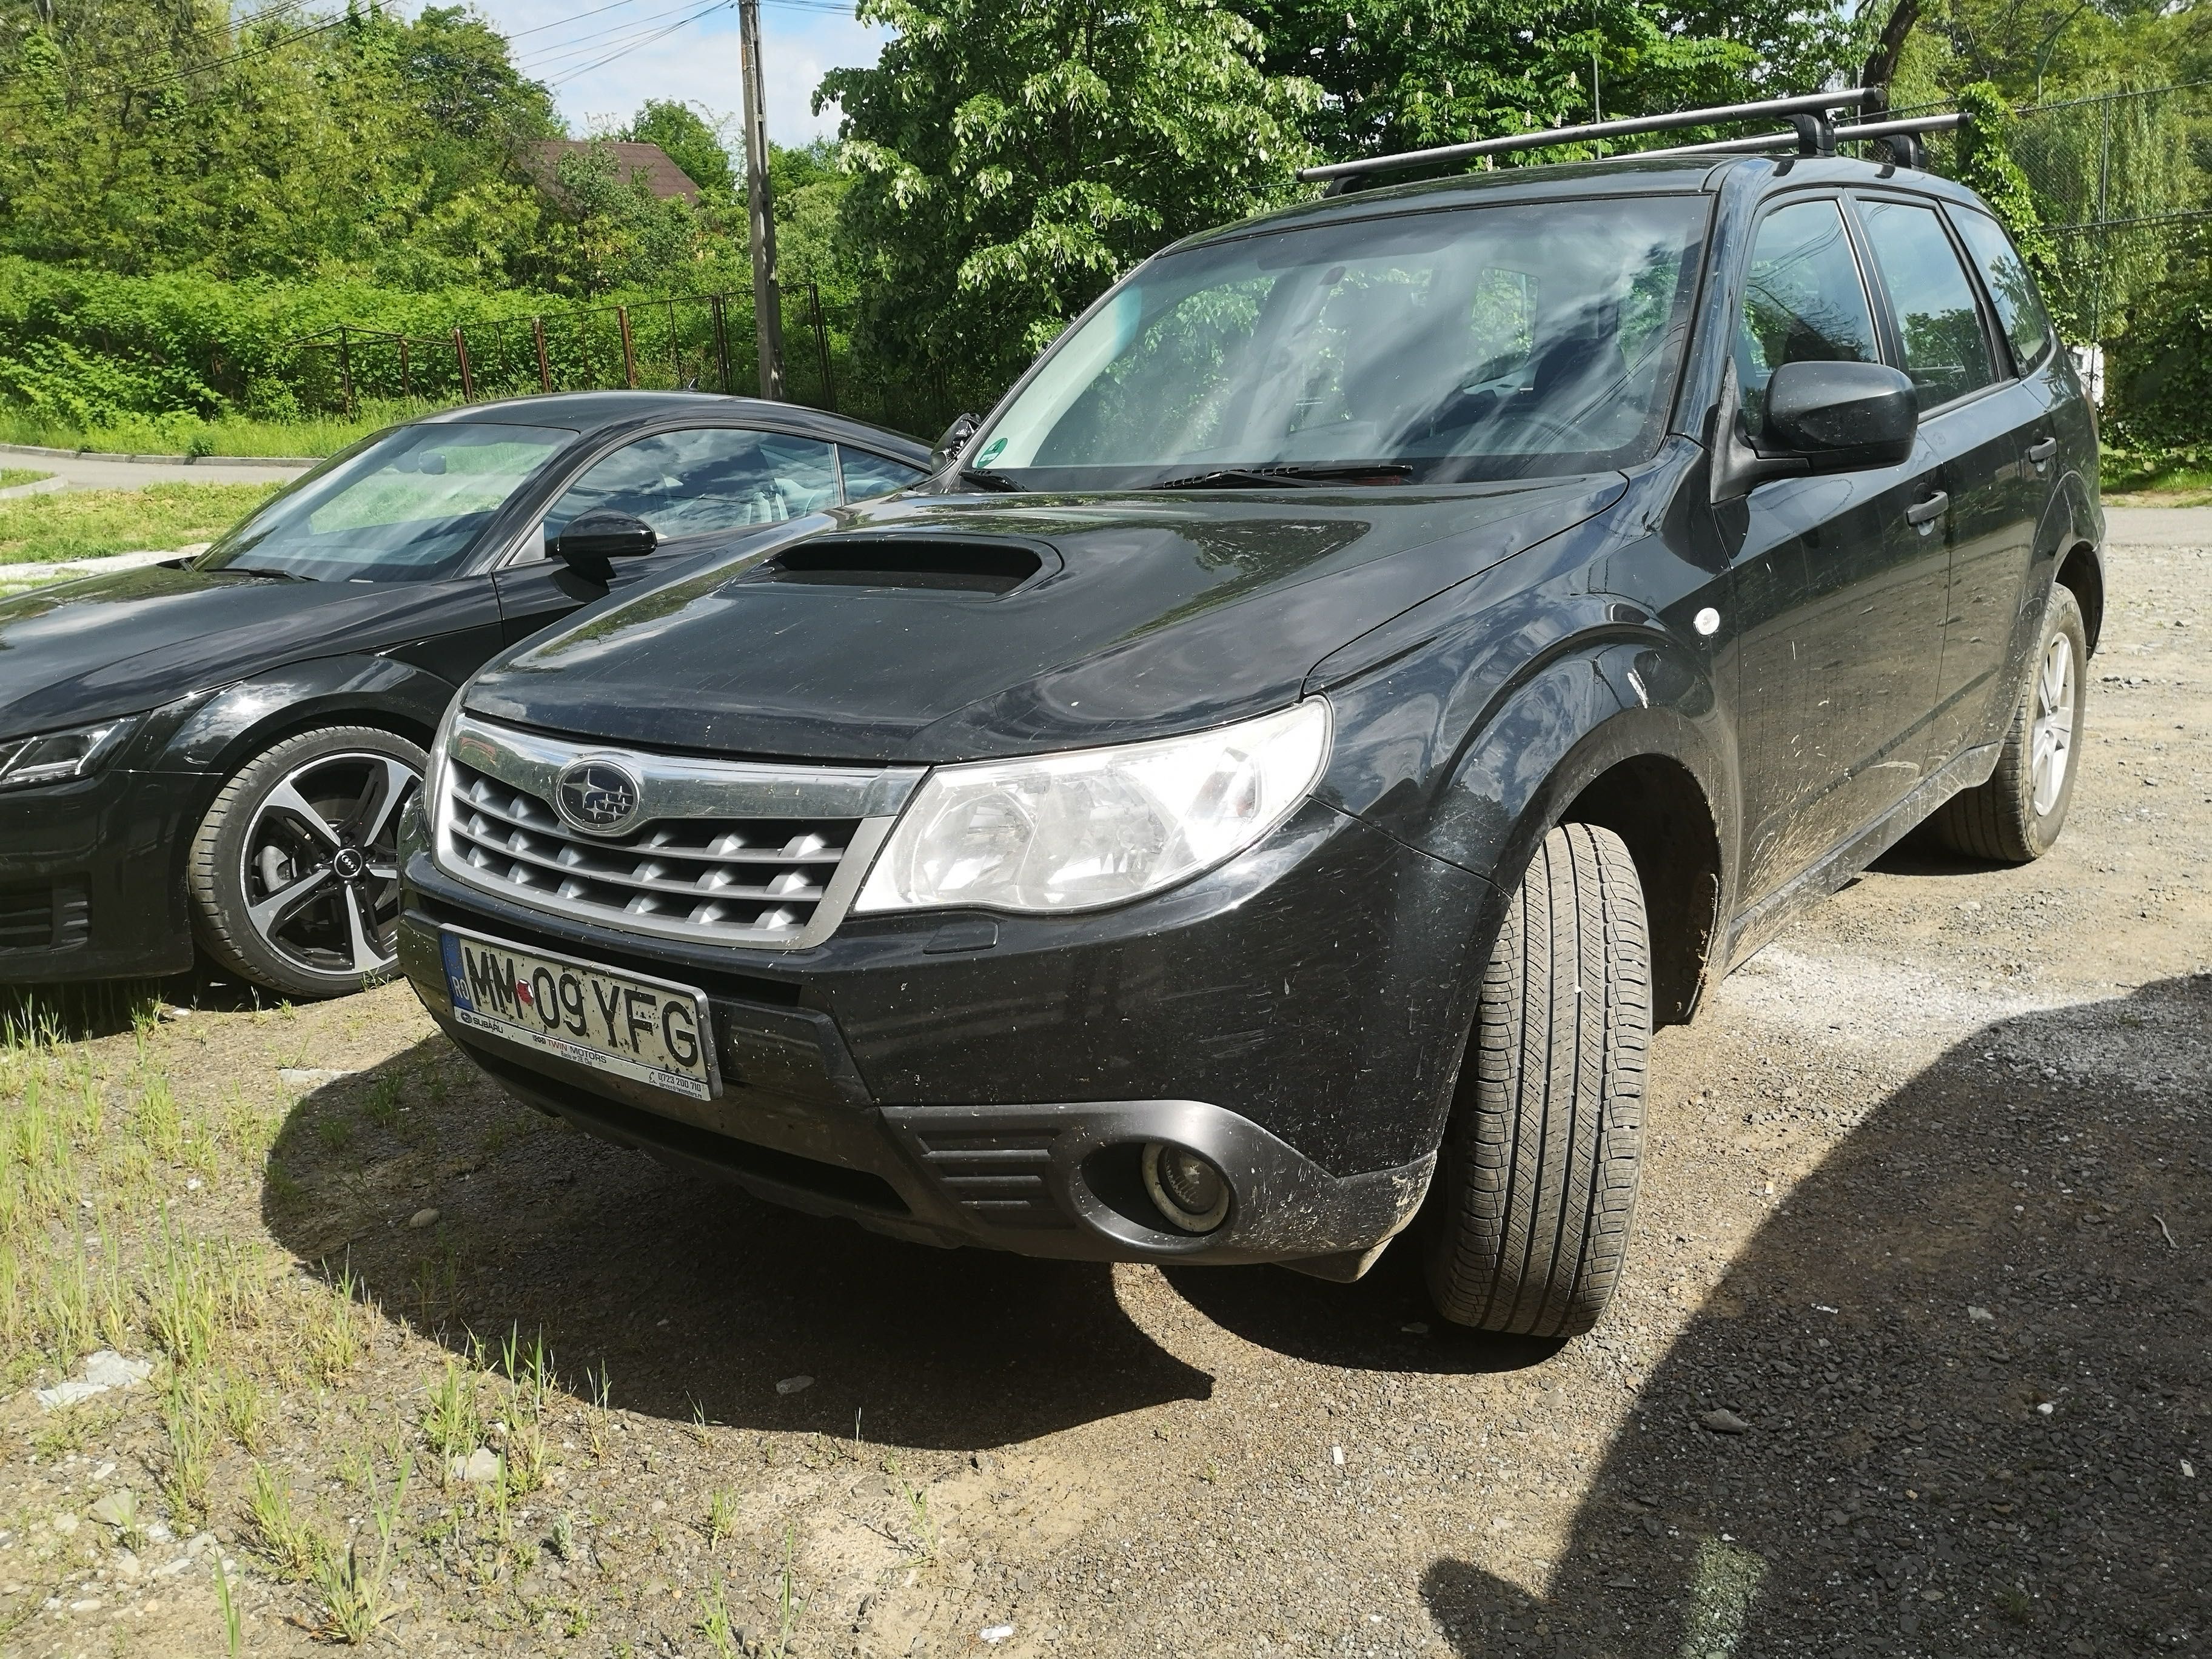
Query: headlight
[[1097, 826], [57, 756], [433, 775]]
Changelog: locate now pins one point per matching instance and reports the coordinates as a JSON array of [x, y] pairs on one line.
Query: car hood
[[1147, 615], [133, 640]]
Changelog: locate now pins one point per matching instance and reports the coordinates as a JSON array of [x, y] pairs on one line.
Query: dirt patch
[[1910, 1358]]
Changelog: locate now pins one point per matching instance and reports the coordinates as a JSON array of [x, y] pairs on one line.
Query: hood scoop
[[987, 567]]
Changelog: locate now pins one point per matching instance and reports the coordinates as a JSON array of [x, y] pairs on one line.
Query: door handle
[[1922, 515], [2040, 453]]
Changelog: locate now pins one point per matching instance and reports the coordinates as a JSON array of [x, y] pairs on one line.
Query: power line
[[624, 52], [595, 40]]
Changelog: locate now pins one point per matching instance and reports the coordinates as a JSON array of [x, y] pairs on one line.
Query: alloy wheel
[[2051, 745], [322, 862]]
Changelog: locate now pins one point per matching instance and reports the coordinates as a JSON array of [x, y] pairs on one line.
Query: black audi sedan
[[217, 750], [1380, 661]]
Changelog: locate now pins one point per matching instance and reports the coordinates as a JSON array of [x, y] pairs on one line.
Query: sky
[[572, 47]]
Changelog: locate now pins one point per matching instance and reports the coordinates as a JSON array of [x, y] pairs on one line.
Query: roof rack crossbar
[[1856, 132], [1811, 103]]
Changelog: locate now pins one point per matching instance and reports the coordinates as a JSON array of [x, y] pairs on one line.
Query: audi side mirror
[[1840, 417], [592, 541], [956, 438]]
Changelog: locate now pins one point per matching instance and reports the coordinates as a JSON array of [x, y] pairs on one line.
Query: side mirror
[[1839, 417], [956, 438], [592, 540]]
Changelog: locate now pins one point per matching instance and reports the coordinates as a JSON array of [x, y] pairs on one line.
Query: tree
[[689, 141], [158, 135], [1012, 159], [1406, 74]]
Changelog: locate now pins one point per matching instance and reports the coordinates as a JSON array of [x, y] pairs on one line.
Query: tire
[[325, 800], [1536, 1183], [2016, 816]]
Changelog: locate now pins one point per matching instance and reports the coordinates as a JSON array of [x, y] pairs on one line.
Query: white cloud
[[696, 64]]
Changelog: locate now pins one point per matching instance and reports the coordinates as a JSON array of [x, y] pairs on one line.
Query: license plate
[[646, 1030]]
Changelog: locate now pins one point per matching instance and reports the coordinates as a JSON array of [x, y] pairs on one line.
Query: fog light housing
[[1191, 1193]]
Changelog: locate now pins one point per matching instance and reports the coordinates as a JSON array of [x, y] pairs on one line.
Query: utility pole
[[767, 308]]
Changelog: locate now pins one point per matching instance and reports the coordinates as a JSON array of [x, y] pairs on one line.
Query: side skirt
[[1969, 769]]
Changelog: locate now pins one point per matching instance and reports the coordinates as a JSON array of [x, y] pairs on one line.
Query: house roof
[[542, 161]]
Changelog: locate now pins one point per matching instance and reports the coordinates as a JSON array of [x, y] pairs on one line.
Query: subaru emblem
[[598, 797]]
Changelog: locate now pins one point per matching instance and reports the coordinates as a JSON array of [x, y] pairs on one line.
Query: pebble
[[102, 1371], [1981, 1315], [308, 1077], [995, 1633], [1720, 1420], [793, 1384], [423, 1218], [479, 1469]]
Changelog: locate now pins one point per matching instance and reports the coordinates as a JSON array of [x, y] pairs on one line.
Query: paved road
[[114, 472], [2159, 526]]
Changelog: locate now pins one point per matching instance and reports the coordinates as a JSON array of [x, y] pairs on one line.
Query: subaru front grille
[[735, 853]]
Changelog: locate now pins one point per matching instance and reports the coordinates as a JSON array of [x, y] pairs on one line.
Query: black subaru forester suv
[[1264, 788]]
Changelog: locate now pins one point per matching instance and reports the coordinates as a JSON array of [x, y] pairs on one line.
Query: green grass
[[12, 475], [84, 524], [184, 433], [2180, 479]]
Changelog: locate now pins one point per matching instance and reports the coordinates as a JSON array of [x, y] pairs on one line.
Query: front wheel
[[2015, 818], [1528, 1221], [294, 873]]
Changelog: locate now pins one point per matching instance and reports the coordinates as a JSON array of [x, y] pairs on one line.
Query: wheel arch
[[2082, 573], [248, 716], [1613, 735]]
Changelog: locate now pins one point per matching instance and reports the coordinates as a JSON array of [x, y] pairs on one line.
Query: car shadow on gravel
[[1385, 1322], [1968, 1416], [690, 1297]]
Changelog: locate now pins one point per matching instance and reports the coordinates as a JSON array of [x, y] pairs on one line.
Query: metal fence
[[2123, 199], [702, 341]]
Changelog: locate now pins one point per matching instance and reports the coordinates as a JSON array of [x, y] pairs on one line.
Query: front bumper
[[1297, 1015], [88, 878]]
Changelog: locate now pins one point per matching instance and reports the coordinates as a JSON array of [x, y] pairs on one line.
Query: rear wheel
[[294, 873], [1536, 1184], [2016, 816]]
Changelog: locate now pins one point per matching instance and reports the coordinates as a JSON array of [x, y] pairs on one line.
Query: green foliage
[[1404, 74], [2159, 368], [379, 142], [1012, 160], [689, 142], [1986, 163], [87, 524]]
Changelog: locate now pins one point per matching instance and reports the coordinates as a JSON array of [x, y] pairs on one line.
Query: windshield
[[1468, 344], [407, 506]]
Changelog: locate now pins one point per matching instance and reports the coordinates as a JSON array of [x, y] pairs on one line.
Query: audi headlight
[[1096, 827], [57, 756]]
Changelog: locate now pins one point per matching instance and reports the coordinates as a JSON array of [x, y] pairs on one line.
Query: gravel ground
[[1911, 1356]]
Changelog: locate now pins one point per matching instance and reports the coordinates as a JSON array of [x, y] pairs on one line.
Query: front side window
[[867, 475], [1462, 343], [1803, 302], [406, 506], [1947, 353], [706, 479], [2019, 307]]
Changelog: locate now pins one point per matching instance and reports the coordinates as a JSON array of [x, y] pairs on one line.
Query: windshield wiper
[[268, 572], [998, 481], [1304, 477]]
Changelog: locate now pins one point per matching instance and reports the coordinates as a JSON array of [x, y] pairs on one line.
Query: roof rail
[[1857, 132], [1812, 107]]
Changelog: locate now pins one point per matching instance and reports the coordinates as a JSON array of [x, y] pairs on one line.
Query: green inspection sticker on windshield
[[996, 448], [649, 1030]]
